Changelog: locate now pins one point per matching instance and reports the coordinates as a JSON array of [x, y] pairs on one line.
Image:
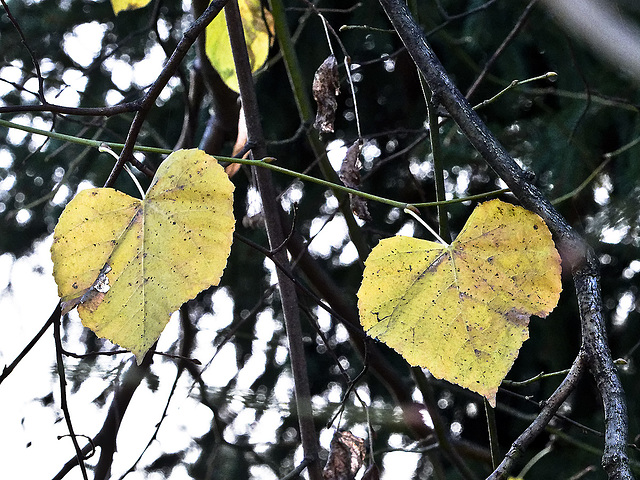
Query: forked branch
[[575, 252]]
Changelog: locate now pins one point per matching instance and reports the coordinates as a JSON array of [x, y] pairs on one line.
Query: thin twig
[[542, 420], [63, 391], [6, 371], [188, 39], [509, 38]]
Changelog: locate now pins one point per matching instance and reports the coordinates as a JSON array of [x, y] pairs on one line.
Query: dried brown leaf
[[350, 176], [326, 86], [346, 455]]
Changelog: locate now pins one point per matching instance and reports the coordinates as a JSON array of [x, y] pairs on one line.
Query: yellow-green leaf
[[121, 5], [256, 34], [462, 311], [128, 264]]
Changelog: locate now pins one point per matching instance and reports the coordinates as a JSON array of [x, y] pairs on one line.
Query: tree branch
[[275, 234], [539, 424], [574, 250], [188, 39], [106, 437]]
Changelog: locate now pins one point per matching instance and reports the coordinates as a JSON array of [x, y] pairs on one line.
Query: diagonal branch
[[551, 406], [188, 39], [574, 250]]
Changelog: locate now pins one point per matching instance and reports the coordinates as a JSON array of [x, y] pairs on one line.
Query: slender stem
[[509, 38], [79, 140], [172, 64], [6, 371], [542, 420], [492, 427], [426, 225], [265, 162], [438, 168], [291, 63], [63, 390], [438, 425], [105, 149], [275, 234], [513, 84]]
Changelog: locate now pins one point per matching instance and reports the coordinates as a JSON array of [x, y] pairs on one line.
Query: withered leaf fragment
[[372, 473], [326, 86], [346, 455], [350, 176]]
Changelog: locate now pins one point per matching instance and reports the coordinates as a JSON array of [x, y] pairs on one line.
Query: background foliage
[[561, 129]]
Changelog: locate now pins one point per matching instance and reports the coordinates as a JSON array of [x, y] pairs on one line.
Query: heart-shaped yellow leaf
[[257, 24], [128, 264], [462, 311]]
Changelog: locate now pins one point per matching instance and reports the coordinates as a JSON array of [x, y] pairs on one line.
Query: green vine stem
[[266, 162], [438, 168]]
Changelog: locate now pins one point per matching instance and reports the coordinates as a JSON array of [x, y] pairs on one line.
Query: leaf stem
[[493, 434], [513, 84], [425, 225], [436, 151], [103, 148]]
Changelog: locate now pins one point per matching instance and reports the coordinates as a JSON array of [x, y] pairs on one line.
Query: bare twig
[[509, 38], [80, 455], [106, 437], [6, 371], [188, 39], [539, 424]]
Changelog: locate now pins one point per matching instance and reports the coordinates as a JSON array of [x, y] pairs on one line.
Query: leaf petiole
[[104, 148], [425, 225]]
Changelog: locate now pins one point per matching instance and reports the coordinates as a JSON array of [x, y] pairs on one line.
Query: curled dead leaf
[[346, 455], [350, 176], [326, 86]]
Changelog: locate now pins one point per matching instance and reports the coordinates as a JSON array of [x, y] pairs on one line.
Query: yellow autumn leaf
[[462, 310], [122, 5], [256, 34], [128, 264]]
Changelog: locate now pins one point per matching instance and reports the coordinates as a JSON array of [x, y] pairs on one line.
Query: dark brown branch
[[6, 371], [576, 254], [23, 39], [604, 371], [276, 236], [106, 437], [188, 39], [539, 424]]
